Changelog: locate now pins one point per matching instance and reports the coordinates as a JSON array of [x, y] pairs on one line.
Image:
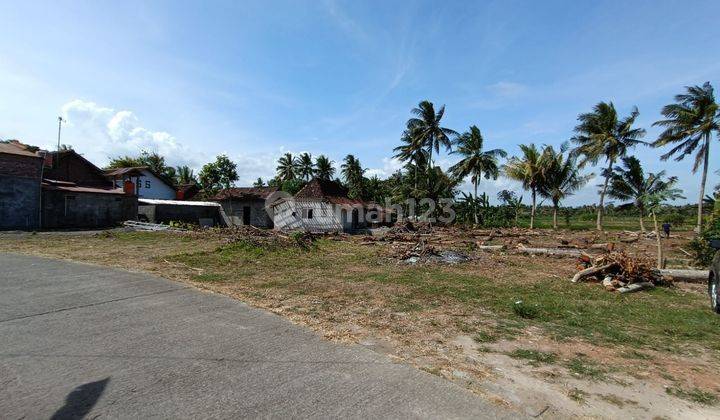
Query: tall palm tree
[[629, 183], [561, 177], [425, 127], [352, 172], [287, 167], [601, 134], [185, 175], [663, 190], [324, 167], [305, 166], [412, 151], [691, 121], [475, 162], [529, 171]]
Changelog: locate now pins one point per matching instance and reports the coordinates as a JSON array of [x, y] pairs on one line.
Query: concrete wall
[[166, 213], [150, 186], [326, 217], [19, 192], [62, 209], [235, 209]]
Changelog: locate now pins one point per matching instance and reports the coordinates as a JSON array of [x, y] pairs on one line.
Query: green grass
[[662, 319], [534, 357], [585, 368], [587, 222], [694, 394]]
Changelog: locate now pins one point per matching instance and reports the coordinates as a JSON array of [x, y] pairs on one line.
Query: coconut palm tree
[[426, 129], [662, 190], [324, 167], [529, 171], [475, 162], [561, 177], [412, 151], [352, 172], [287, 167], [305, 166], [629, 183], [184, 175], [690, 122], [511, 200], [601, 134]]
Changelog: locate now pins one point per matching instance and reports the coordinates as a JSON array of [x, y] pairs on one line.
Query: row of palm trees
[[602, 137], [302, 167]]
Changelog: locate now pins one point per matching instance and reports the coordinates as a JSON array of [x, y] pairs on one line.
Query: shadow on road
[[81, 400]]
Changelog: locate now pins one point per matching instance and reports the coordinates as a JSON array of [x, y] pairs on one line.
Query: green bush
[[703, 254]]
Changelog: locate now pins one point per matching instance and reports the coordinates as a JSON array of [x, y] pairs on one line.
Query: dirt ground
[[433, 315]]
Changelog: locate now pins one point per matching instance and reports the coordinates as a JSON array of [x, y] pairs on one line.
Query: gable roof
[[14, 147], [326, 190], [137, 170], [245, 193]]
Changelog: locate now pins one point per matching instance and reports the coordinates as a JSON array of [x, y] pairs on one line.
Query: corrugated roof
[[14, 147], [248, 193], [177, 202], [51, 184]]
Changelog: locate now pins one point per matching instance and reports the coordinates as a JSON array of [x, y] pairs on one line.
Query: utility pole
[[60, 121]]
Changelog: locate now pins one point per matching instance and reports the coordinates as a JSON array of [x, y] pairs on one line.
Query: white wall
[[326, 217], [151, 186]]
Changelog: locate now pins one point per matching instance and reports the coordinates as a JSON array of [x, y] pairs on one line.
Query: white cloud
[[390, 166], [507, 89], [101, 133]]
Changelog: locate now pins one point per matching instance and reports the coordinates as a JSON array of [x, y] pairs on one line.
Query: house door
[[246, 215], [355, 218]]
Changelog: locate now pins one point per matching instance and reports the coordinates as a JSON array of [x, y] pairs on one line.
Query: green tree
[[412, 151], [475, 162], [601, 134], [528, 170], [663, 190], [561, 177], [259, 183], [629, 183], [219, 174], [690, 122], [425, 128], [185, 175], [287, 167], [305, 166], [510, 199], [324, 168], [352, 173], [154, 161]]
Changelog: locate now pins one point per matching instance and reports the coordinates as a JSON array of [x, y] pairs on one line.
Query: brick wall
[[20, 166]]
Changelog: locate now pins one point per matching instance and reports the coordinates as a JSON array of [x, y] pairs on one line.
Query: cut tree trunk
[[555, 212], [592, 272]]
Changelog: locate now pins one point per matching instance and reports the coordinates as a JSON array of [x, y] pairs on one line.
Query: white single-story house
[[321, 206], [147, 183]]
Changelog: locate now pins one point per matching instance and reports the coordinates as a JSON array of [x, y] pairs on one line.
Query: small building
[[246, 205], [147, 183], [20, 178], [67, 205], [203, 213], [70, 166], [321, 206]]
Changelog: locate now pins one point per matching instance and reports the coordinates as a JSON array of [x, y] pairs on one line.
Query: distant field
[[609, 223]]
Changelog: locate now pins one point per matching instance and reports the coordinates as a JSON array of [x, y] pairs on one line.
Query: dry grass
[[352, 292]]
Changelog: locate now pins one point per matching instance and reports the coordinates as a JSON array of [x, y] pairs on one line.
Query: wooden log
[[607, 283], [491, 247], [592, 271], [550, 251], [636, 287], [690, 276]]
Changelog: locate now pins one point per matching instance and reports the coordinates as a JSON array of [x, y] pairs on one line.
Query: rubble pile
[[619, 271]]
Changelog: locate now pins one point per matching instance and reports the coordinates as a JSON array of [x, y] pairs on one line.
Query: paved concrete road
[[78, 340]]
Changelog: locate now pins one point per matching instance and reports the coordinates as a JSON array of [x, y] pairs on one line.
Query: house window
[[147, 184], [307, 213]]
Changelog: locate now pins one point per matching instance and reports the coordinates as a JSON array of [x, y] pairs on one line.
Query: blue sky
[[255, 79]]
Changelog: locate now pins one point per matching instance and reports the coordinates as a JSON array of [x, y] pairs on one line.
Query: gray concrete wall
[[72, 210], [19, 203], [235, 209], [326, 217], [166, 213]]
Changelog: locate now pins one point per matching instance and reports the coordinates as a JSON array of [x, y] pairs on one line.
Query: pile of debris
[[423, 253], [618, 271], [256, 237]]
